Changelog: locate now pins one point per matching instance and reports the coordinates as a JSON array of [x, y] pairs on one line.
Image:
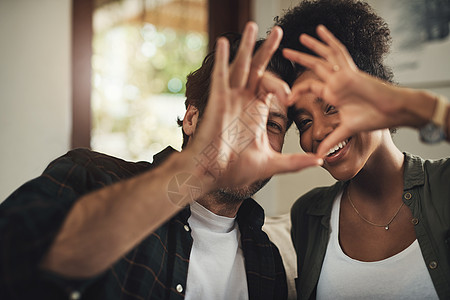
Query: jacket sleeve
[[29, 221]]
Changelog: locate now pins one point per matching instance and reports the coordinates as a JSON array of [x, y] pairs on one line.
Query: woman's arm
[[364, 102]]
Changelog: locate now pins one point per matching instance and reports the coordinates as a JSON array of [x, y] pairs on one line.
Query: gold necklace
[[367, 221]]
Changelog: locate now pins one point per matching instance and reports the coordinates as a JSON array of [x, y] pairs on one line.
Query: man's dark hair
[[198, 82], [354, 23]]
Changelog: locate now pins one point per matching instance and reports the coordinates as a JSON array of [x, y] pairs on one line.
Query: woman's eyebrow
[[296, 111], [318, 100]]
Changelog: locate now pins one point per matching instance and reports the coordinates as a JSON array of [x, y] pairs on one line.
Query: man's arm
[[105, 224]]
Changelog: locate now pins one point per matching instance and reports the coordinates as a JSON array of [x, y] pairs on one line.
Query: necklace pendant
[[386, 227]]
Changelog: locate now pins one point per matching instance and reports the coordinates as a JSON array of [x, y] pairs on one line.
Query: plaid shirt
[[155, 269]]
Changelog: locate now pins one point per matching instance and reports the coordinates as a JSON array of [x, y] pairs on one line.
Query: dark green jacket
[[426, 191]]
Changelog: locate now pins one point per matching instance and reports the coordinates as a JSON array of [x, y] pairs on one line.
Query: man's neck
[[222, 207]]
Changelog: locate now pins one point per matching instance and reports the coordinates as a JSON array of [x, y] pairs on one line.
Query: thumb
[[284, 163], [309, 85], [274, 85]]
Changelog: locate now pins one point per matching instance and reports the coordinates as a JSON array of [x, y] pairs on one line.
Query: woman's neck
[[383, 173]]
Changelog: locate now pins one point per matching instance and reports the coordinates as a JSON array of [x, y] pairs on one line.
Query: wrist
[[436, 127], [439, 116], [418, 105], [188, 180]]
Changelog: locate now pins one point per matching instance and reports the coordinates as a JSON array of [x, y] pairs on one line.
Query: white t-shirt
[[216, 265], [402, 276]]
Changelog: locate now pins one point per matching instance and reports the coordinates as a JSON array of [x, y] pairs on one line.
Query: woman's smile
[[338, 152]]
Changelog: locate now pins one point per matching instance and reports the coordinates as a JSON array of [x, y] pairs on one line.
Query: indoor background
[[36, 80]]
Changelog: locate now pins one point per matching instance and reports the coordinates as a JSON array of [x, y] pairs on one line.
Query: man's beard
[[238, 194]]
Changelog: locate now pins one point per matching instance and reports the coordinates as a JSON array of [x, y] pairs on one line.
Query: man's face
[[276, 128]]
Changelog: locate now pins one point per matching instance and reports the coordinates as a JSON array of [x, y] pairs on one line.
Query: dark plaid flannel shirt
[[31, 217]]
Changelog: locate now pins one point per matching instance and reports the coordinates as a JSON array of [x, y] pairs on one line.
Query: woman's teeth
[[337, 147]]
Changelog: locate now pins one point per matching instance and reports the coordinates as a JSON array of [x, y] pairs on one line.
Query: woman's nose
[[322, 127]]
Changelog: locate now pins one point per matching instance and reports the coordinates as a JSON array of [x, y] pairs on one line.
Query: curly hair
[[198, 82], [365, 34]]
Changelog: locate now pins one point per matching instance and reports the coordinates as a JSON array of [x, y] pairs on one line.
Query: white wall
[[264, 12], [35, 90], [282, 191]]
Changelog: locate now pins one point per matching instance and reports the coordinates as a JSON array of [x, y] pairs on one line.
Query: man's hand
[[231, 147]]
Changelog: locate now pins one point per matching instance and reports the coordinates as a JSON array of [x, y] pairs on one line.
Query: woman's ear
[[190, 120]]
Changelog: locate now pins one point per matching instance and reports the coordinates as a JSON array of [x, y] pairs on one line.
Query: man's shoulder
[[95, 161], [84, 155]]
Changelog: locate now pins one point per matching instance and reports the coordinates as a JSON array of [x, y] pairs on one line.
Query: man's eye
[[274, 127]]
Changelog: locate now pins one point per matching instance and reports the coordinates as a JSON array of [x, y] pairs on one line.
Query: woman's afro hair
[[354, 23]]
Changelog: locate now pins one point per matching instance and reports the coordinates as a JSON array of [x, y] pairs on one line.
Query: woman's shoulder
[[317, 199], [427, 167]]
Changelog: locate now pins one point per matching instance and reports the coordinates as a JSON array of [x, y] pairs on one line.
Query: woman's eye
[[303, 124], [330, 109]]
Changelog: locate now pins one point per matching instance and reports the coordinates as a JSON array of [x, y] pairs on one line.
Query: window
[[142, 52], [122, 90]]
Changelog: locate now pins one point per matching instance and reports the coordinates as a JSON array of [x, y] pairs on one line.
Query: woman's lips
[[337, 152]]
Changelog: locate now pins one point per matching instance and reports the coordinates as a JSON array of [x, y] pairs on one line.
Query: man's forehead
[[277, 106], [277, 109]]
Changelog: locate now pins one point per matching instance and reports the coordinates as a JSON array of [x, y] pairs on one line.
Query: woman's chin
[[339, 174]]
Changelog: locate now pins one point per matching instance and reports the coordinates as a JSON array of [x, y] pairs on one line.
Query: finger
[[338, 135], [316, 87], [320, 67], [334, 43], [284, 163], [262, 57], [240, 67], [220, 75], [272, 84], [321, 49], [264, 109], [313, 86]]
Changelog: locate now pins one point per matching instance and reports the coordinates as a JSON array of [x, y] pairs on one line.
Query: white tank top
[[402, 276]]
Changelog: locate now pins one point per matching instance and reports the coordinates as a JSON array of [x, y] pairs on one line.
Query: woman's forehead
[[305, 75], [306, 99]]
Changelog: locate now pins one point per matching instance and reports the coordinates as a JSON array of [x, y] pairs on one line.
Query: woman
[[383, 230]]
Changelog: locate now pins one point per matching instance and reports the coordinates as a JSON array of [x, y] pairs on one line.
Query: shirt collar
[[159, 157], [414, 174], [322, 206], [250, 213]]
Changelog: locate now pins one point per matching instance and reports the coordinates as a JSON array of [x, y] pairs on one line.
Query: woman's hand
[[363, 101]]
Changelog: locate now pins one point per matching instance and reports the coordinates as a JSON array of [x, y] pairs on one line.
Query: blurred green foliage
[[139, 76]]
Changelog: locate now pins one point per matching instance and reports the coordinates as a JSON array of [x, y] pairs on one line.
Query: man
[[97, 227]]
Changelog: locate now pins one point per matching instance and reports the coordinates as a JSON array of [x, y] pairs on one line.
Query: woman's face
[[316, 119]]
